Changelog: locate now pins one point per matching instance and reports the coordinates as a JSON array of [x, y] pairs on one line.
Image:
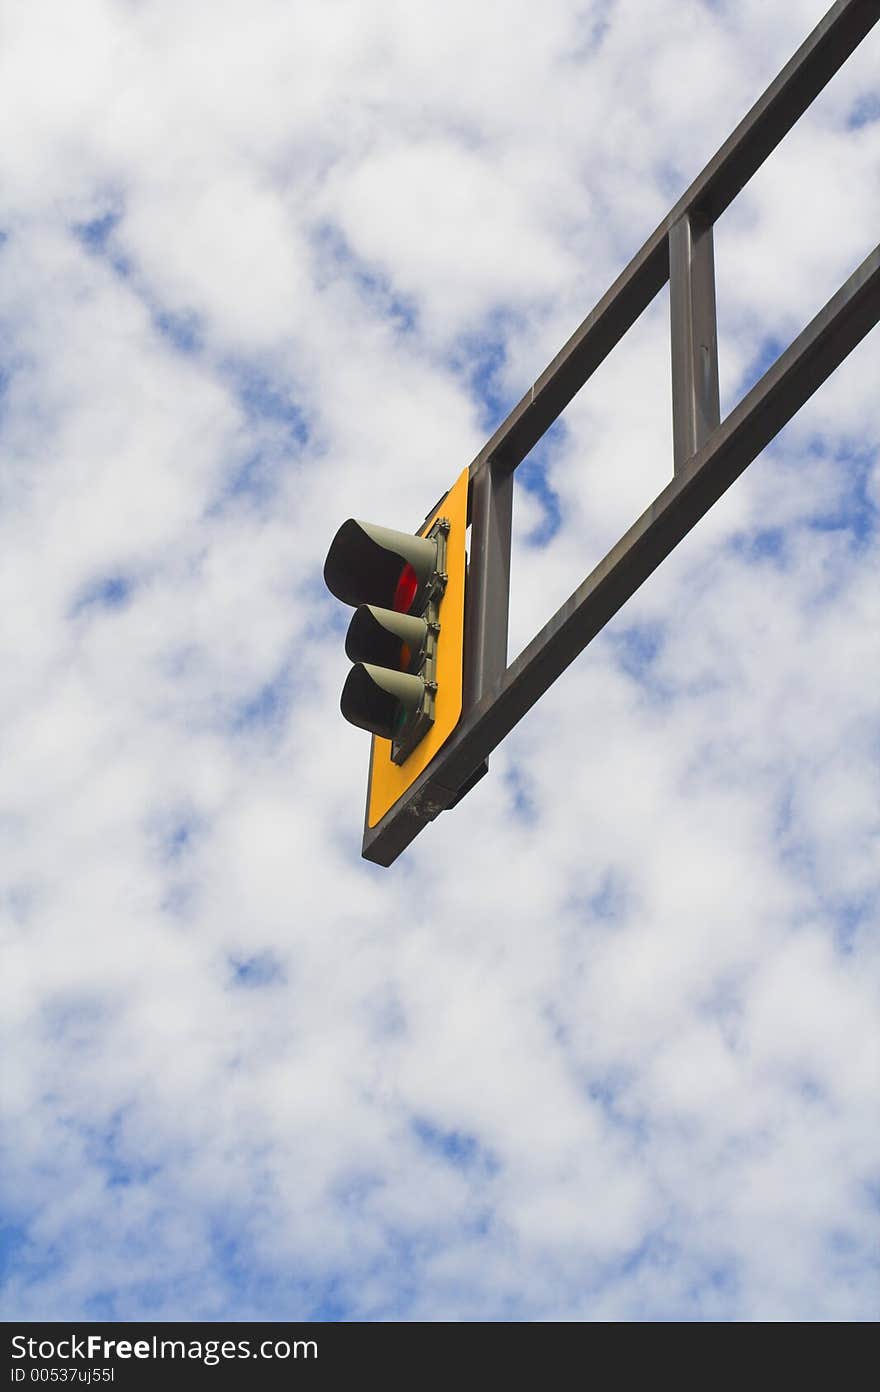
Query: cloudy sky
[[604, 1044]]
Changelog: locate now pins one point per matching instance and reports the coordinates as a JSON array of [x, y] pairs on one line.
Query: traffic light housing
[[393, 569], [405, 639]]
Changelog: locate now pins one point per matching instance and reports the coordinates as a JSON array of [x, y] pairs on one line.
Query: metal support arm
[[707, 454]]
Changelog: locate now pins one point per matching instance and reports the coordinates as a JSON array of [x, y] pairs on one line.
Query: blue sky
[[603, 1045]]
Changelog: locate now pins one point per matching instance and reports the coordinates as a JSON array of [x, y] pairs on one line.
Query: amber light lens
[[407, 588]]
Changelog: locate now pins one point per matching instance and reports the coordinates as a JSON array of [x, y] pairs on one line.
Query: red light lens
[[407, 588]]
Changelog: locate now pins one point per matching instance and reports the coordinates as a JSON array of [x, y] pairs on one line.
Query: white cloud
[[602, 1045]]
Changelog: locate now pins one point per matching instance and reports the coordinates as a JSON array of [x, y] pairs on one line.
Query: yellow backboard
[[389, 781]]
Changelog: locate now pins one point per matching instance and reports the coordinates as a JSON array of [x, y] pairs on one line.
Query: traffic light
[[390, 690], [405, 638]]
